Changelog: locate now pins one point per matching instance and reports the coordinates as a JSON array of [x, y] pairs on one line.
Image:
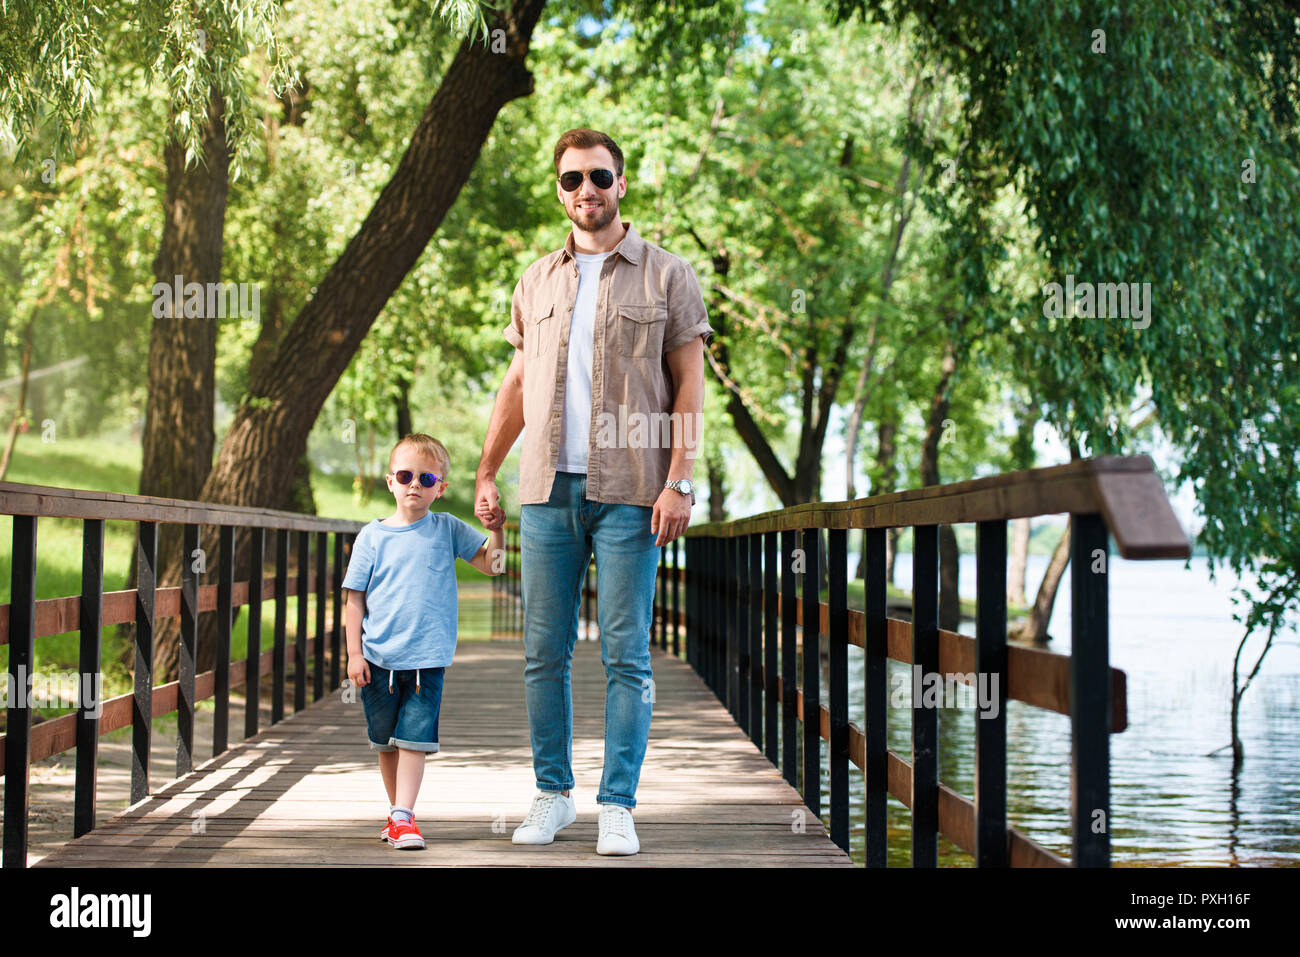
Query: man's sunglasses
[[404, 476], [600, 178]]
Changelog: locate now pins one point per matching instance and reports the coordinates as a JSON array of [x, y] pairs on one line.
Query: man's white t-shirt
[[575, 425]]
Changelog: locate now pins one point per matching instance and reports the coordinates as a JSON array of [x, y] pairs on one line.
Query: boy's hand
[[358, 672]]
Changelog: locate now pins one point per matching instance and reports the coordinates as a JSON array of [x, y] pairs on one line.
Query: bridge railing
[[24, 619], [750, 585]]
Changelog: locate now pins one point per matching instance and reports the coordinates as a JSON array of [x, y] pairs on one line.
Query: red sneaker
[[384, 834], [405, 836]]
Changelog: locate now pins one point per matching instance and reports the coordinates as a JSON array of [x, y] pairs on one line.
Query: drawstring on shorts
[[417, 681]]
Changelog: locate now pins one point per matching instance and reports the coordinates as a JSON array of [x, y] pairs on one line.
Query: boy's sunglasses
[[404, 476], [600, 178]]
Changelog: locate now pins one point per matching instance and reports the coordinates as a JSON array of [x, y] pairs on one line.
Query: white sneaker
[[617, 832], [550, 812]]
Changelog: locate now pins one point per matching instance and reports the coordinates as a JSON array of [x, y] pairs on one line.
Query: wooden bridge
[[306, 791], [734, 771]]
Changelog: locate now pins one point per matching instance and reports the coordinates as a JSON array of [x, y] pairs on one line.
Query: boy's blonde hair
[[425, 445]]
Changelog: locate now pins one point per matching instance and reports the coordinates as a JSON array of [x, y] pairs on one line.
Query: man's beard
[[600, 218]]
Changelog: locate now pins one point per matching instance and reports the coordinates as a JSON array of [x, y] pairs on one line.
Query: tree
[[1205, 148]]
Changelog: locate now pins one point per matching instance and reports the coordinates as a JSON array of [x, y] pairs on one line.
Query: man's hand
[[671, 515], [358, 671], [487, 504]]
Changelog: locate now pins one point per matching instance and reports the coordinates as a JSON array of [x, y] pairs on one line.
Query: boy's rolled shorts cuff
[[393, 744]]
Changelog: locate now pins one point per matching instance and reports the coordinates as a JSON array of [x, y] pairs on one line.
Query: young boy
[[401, 620]]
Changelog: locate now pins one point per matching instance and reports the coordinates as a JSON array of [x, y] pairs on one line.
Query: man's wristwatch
[[684, 486]]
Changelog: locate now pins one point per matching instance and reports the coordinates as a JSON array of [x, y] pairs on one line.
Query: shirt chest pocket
[[641, 330], [441, 561], [540, 334]]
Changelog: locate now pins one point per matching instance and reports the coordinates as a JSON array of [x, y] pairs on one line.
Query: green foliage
[[1167, 157]]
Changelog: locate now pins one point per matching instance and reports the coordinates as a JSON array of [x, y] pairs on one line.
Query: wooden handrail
[[19, 499], [1126, 491]]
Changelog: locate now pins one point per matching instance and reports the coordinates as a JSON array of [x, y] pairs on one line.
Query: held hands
[[671, 515], [487, 504]]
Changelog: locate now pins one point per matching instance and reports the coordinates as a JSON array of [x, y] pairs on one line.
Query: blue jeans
[[556, 542]]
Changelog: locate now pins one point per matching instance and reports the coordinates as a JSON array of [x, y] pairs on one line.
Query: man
[[609, 333]]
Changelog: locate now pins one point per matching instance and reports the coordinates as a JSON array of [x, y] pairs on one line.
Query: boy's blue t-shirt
[[408, 573]]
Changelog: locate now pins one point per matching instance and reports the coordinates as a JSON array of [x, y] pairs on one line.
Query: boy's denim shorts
[[399, 716]]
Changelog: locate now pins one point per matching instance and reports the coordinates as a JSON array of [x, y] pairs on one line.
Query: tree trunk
[[1019, 557], [886, 433], [1035, 626], [21, 410], [402, 408], [269, 432], [268, 437], [949, 564], [179, 435], [1022, 457], [717, 490]]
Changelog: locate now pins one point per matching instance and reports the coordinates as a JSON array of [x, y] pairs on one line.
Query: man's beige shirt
[[648, 303]]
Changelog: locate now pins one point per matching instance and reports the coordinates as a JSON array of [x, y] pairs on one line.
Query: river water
[[1172, 632]]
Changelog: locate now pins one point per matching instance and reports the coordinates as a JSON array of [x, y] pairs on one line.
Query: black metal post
[[278, 653], [754, 587], [771, 682], [925, 719], [1089, 692], [225, 621], [187, 651], [300, 633], [991, 678], [90, 682], [22, 651], [318, 669], [837, 599], [876, 760], [661, 597], [789, 663], [677, 607], [146, 577], [739, 607], [812, 669], [336, 629], [252, 665]]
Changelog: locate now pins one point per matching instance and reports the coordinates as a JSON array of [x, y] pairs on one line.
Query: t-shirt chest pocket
[[641, 330], [440, 561], [541, 333]]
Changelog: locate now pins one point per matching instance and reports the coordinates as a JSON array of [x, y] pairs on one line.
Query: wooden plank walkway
[[307, 791]]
